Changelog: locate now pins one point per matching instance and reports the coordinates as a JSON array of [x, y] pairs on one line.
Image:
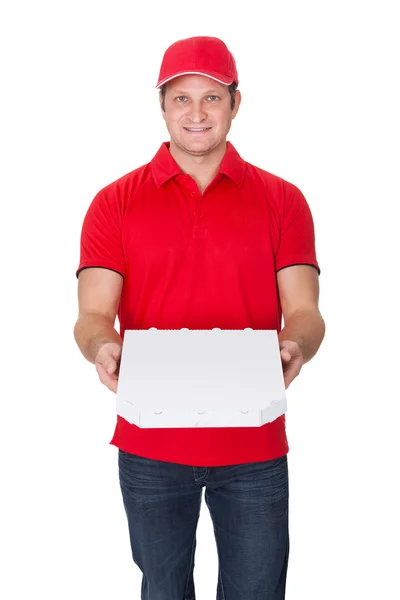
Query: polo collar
[[164, 166]]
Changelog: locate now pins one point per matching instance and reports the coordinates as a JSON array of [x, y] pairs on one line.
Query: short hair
[[232, 90]]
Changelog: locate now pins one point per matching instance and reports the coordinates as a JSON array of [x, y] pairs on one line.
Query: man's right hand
[[107, 365]]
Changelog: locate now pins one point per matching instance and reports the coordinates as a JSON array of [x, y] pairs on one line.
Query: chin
[[195, 145], [206, 143], [201, 148]]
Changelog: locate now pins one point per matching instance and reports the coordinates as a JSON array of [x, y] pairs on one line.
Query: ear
[[160, 101], [238, 99]]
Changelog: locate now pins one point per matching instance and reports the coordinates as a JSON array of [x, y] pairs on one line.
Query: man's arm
[[99, 292], [304, 327]]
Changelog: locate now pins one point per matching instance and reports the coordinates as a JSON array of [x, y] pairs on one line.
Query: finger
[[110, 377], [110, 366], [291, 373], [113, 386], [106, 378], [288, 378], [116, 353]]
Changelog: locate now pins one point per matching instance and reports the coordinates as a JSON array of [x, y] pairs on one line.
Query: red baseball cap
[[198, 56]]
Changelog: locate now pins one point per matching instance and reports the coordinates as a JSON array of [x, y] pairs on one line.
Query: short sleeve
[[297, 237], [101, 240]]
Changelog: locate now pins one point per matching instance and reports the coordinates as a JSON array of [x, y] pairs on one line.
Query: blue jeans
[[248, 505]]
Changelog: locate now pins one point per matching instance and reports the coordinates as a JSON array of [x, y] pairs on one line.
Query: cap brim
[[216, 76]]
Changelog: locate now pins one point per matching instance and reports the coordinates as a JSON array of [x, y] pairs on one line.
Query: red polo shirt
[[199, 261]]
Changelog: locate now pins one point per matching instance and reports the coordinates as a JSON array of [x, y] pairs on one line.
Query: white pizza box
[[200, 378]]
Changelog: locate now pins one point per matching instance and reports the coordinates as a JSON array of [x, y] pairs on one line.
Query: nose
[[196, 112]]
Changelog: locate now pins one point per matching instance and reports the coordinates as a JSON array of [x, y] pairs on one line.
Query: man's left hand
[[292, 360]]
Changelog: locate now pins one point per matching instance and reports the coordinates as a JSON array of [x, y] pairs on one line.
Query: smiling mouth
[[197, 129]]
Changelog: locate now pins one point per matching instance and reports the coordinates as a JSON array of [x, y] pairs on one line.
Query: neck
[[202, 168]]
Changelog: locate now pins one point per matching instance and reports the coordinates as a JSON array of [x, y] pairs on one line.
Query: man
[[198, 238]]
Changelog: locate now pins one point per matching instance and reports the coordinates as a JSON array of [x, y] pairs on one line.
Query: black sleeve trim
[[97, 267], [295, 264]]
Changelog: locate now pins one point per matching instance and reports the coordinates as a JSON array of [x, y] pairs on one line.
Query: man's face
[[195, 102]]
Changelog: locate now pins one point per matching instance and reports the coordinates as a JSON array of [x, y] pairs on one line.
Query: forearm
[[91, 331], [307, 329]]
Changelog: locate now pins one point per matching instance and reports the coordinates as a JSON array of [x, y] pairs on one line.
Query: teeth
[[200, 129]]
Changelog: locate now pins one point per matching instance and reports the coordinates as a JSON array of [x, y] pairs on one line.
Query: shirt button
[[193, 194]]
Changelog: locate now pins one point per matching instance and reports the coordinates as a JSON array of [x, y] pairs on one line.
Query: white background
[[79, 109]]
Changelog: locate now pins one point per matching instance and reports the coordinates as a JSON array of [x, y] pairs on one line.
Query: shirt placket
[[195, 201]]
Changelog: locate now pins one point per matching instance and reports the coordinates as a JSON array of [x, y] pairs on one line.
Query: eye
[[179, 97], [213, 97]]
